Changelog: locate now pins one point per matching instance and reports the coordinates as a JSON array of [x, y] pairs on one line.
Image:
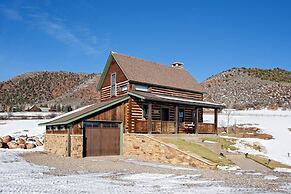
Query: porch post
[[196, 120], [149, 121], [177, 119], [69, 141], [215, 120]]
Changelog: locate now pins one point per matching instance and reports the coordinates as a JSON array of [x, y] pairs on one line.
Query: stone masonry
[[58, 144], [146, 148]]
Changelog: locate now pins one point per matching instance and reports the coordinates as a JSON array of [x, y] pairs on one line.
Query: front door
[[165, 115]]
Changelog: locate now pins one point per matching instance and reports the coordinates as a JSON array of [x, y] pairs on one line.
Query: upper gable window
[[142, 87], [123, 88], [113, 84]]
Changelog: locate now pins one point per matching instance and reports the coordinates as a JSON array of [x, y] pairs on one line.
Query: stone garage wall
[[58, 144], [77, 146], [147, 148]]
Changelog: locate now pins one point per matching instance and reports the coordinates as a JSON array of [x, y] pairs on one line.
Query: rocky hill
[[243, 88], [49, 87]]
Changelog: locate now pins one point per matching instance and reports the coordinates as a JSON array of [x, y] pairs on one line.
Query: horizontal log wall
[[105, 91], [177, 93]]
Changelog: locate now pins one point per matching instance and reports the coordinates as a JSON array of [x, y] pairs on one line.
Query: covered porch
[[165, 115]]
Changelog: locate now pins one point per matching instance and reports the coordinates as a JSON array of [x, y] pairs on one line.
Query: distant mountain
[[243, 88], [238, 88], [65, 88]]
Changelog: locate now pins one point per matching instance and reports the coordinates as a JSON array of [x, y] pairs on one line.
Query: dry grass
[[244, 132], [224, 143], [256, 135], [196, 149], [268, 163]]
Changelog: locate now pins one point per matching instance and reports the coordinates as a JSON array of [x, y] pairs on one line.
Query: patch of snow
[[23, 177], [18, 128], [254, 173], [68, 113], [275, 123], [270, 177], [27, 114], [159, 165], [229, 168], [212, 142], [287, 170], [19, 150]]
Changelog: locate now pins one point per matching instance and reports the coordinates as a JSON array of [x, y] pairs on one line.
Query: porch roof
[[176, 100]]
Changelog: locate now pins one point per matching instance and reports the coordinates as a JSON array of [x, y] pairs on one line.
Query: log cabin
[[143, 97]]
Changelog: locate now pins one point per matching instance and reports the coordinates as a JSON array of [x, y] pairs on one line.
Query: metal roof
[[176, 100], [84, 112]]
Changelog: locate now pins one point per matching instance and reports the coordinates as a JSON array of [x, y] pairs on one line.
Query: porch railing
[[169, 127], [206, 128], [157, 126]]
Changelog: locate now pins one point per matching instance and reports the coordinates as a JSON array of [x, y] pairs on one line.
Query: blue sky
[[207, 36]]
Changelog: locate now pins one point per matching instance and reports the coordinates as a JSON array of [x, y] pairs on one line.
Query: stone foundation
[[58, 144], [147, 148]]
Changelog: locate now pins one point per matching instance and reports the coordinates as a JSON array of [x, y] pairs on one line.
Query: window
[[145, 110], [123, 88], [113, 84], [181, 115], [142, 87]]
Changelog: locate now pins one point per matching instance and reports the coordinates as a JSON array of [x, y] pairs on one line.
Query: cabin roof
[[174, 100], [83, 112], [147, 72]]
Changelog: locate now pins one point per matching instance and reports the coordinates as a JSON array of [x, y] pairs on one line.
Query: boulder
[[1, 145], [1, 140], [21, 141], [7, 139], [12, 145], [22, 146], [30, 145]]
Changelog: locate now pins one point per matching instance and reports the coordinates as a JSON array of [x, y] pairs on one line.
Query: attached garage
[[94, 130]]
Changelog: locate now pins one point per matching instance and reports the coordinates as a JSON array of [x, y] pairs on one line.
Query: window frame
[[113, 85], [123, 86]]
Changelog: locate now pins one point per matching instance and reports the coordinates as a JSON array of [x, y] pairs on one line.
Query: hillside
[[243, 88], [41, 87]]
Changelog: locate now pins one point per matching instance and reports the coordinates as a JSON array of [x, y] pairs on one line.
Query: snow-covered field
[[19, 114], [17, 128], [276, 123]]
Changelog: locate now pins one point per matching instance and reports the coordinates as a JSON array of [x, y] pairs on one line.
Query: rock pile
[[22, 142]]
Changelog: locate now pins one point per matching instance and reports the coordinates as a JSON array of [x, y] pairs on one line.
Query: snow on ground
[[19, 114], [19, 176], [17, 128], [275, 123]]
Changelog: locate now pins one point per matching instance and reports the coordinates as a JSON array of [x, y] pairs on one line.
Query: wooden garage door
[[102, 141]]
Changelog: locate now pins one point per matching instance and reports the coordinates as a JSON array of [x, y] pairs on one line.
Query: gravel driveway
[[149, 177]]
